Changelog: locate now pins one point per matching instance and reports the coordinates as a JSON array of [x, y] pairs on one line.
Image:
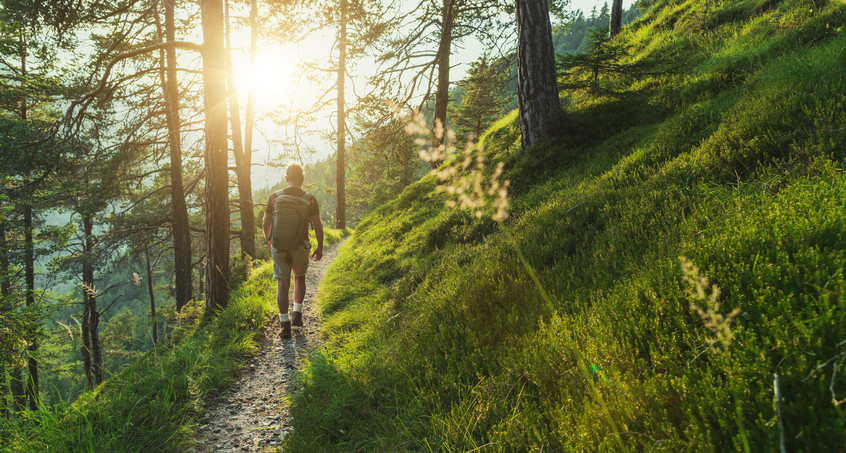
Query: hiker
[[285, 224]]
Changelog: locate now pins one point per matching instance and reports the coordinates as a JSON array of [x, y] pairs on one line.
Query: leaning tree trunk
[[537, 92], [179, 218], [442, 93], [217, 176], [242, 164], [616, 18], [340, 163]]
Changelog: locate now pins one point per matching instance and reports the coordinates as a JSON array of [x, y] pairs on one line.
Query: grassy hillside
[[571, 325]]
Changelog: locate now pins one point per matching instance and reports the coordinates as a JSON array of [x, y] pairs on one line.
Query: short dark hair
[[294, 173]]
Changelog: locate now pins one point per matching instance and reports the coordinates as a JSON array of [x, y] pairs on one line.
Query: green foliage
[[439, 338], [151, 404], [602, 57], [484, 97], [572, 37], [382, 163]]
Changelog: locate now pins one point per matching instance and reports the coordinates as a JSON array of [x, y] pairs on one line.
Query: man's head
[[294, 174]]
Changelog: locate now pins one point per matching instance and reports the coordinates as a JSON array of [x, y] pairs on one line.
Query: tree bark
[[442, 93], [32, 393], [616, 18], [29, 263], [6, 410], [242, 157], [179, 221], [340, 159], [88, 301], [152, 298], [250, 115], [5, 298], [91, 355], [5, 278], [217, 177], [201, 277], [16, 382], [537, 91]]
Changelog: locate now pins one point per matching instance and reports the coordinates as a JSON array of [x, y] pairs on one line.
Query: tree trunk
[[96, 352], [616, 18], [5, 278], [16, 382], [202, 277], [537, 91], [6, 388], [179, 220], [88, 303], [152, 298], [217, 176], [242, 162], [29, 263], [249, 119], [29, 272], [340, 159], [5, 306], [91, 353], [442, 93]]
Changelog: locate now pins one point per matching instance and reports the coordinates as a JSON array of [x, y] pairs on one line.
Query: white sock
[[283, 317], [298, 307]]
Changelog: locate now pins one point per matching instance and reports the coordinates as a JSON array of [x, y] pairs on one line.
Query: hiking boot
[[296, 319], [286, 330]]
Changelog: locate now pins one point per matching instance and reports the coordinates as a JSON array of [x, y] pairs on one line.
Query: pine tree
[[440, 24], [483, 100], [216, 157], [537, 91], [601, 59]]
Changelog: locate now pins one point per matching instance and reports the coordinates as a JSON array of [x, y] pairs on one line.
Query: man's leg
[[283, 285], [299, 296], [282, 274], [299, 267]]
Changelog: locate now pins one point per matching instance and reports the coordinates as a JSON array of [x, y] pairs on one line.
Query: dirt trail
[[253, 414]]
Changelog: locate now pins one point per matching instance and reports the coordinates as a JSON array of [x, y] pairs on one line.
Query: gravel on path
[[253, 414]]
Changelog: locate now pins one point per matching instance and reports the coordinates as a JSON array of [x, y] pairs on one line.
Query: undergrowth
[[438, 338], [153, 404]]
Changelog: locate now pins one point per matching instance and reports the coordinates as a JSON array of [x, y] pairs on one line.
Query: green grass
[[153, 404], [438, 338]]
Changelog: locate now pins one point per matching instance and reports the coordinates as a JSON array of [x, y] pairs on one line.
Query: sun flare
[[270, 77]]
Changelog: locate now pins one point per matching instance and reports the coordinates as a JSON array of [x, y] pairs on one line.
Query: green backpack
[[290, 221]]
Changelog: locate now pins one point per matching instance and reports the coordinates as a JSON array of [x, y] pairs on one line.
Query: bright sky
[[279, 89]]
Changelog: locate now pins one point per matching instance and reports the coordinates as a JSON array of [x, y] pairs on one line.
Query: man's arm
[[318, 233], [267, 222]]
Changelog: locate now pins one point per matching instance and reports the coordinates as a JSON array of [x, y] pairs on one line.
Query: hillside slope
[[572, 325]]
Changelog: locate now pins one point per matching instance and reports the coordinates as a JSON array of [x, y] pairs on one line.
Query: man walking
[[291, 258]]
